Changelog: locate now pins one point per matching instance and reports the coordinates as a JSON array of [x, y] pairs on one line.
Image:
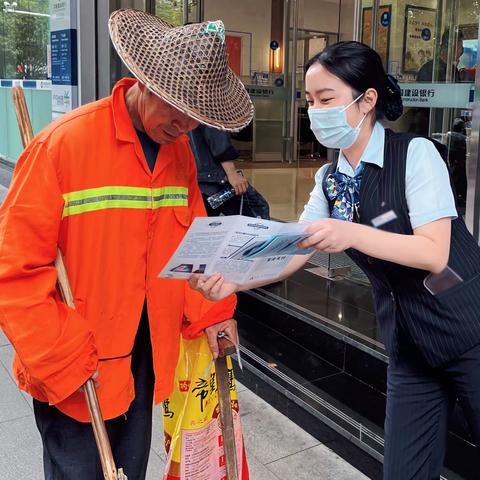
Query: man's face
[[162, 122], [457, 53]]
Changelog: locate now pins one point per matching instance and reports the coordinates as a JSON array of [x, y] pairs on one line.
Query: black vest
[[444, 326]]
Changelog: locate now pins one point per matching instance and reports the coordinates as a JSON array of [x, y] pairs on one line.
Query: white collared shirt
[[427, 183]]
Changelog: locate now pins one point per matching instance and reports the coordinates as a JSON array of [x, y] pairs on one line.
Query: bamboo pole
[[99, 429]]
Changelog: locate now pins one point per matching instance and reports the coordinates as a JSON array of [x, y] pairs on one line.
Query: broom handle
[[23, 118], [99, 430], [225, 405]]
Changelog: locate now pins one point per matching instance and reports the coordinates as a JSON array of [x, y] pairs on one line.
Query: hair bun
[[393, 99]]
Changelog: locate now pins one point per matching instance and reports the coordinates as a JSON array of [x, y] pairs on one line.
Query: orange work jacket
[[84, 184]]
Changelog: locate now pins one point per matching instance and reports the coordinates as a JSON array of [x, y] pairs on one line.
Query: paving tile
[[3, 339], [21, 450], [156, 467], [12, 403], [240, 387], [157, 434], [308, 464], [270, 435], [6, 356], [258, 471], [3, 193], [248, 402]]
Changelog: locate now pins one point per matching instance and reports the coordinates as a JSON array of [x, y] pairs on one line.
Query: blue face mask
[[331, 128]]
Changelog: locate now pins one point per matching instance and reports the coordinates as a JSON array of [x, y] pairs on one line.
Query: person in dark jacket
[[427, 72], [216, 171], [420, 116]]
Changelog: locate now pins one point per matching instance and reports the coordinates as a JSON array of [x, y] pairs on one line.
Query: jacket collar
[[124, 129]]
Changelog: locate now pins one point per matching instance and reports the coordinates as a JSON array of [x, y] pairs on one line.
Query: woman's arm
[[215, 288], [296, 263], [427, 249]]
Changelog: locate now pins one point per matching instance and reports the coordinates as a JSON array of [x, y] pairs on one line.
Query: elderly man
[[113, 184]]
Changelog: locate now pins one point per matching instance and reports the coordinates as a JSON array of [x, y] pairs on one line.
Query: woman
[[388, 203]]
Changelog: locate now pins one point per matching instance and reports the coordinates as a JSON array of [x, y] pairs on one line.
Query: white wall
[[246, 16], [347, 12], [319, 15]]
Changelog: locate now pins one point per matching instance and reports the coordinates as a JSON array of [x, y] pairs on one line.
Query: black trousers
[[69, 449], [420, 400]]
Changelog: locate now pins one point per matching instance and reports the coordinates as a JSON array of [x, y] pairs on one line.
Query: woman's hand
[[212, 288], [238, 182], [329, 235]]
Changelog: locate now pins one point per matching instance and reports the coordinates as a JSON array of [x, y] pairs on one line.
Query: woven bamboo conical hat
[[185, 66]]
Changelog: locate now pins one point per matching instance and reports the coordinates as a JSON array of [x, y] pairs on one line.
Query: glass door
[[308, 150], [179, 12], [431, 47]]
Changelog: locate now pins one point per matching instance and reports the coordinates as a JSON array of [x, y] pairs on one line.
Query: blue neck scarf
[[345, 192]]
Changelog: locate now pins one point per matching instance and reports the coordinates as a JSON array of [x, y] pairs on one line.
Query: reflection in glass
[[24, 34]]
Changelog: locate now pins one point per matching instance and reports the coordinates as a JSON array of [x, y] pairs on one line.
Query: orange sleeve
[[52, 341], [199, 312]]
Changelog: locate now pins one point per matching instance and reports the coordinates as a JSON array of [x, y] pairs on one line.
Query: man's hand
[[227, 326], [94, 377], [212, 288], [238, 182]]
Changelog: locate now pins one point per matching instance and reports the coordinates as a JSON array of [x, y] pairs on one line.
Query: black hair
[[360, 67], [445, 40]]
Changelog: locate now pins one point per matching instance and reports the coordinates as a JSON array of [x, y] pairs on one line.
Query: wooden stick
[[225, 405], [99, 430], [23, 118]]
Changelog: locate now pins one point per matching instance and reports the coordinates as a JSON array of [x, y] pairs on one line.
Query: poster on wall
[[234, 50], [63, 56], [418, 40], [383, 32], [239, 50]]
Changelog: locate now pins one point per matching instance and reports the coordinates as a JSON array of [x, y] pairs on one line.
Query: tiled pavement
[[3, 192], [277, 449]]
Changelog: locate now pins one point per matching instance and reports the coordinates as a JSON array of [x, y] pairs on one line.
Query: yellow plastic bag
[[191, 418]]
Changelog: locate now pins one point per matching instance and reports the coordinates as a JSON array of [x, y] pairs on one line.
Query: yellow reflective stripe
[[170, 190], [123, 197], [102, 205], [171, 202], [101, 191], [140, 191]]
